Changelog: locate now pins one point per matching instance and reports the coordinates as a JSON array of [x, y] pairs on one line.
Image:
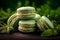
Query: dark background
[[13, 3]]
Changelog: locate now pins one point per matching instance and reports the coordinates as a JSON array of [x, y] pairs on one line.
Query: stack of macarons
[[43, 22], [27, 19], [27, 22]]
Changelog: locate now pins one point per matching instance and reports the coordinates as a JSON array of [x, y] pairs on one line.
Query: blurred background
[[48, 8]]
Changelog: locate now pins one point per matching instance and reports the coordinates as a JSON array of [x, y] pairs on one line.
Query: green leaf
[[58, 27], [48, 32]]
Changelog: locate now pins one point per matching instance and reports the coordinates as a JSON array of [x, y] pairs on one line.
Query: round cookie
[[26, 12], [26, 25], [48, 22]]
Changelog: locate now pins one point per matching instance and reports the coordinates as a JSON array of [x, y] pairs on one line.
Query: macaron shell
[[32, 9]]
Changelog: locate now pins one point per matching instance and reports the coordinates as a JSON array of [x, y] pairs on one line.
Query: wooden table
[[19, 36]]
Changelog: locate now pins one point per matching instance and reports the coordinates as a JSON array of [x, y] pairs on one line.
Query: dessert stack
[[26, 16]]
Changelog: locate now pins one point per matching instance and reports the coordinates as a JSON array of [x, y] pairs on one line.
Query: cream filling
[[25, 29], [28, 22]]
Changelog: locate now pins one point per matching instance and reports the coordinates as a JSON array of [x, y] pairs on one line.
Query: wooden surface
[[19, 36]]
